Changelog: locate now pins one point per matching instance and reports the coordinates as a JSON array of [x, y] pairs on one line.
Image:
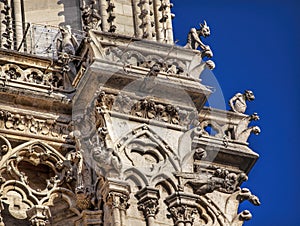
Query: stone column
[[169, 28], [115, 195], [104, 15], [148, 203], [137, 20], [182, 208], [147, 20], [1, 209], [39, 215], [2, 26], [159, 29], [18, 23]]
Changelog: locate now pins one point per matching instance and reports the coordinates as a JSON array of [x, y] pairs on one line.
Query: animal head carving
[[249, 95], [205, 31]]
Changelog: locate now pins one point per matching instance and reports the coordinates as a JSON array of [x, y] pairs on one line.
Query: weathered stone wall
[[62, 12], [106, 129]]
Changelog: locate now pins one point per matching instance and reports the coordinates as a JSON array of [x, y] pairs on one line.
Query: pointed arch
[[136, 176], [63, 194], [166, 180], [28, 145]]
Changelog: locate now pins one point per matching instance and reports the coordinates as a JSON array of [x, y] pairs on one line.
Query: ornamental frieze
[[147, 108], [31, 125]]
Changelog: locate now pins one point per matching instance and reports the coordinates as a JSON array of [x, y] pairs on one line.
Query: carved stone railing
[[41, 61], [140, 55], [38, 39], [227, 126], [28, 72]]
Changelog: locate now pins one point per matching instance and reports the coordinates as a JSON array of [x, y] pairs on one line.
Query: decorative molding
[[146, 108], [29, 124]]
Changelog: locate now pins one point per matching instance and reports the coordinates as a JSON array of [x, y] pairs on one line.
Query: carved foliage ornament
[[183, 213], [30, 124], [7, 21], [146, 108], [149, 207], [133, 58], [117, 200]]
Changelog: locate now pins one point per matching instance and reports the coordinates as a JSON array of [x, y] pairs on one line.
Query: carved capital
[[116, 194], [182, 207], [149, 207], [148, 201], [183, 214], [117, 200]]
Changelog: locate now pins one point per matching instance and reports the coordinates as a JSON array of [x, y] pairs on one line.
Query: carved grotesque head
[[249, 95], [205, 31]]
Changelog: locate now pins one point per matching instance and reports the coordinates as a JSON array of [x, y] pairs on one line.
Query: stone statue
[[106, 159], [194, 40], [66, 48], [149, 82], [242, 131], [68, 43], [238, 101], [90, 17]]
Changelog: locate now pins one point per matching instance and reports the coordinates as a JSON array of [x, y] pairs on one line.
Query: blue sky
[[256, 46]]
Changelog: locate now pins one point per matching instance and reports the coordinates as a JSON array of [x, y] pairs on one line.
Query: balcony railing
[[36, 39]]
